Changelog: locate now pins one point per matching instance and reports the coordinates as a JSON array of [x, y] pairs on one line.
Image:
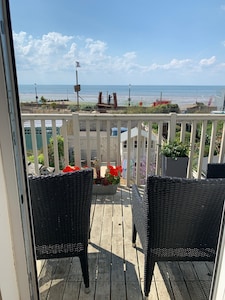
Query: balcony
[[116, 269]]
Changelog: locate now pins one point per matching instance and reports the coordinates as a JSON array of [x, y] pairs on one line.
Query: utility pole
[[36, 96], [129, 96], [77, 86]]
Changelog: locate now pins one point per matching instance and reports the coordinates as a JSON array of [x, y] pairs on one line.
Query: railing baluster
[[128, 171], [88, 143], [212, 141], [149, 162], [118, 156], [108, 148], [76, 141], [158, 148], [201, 148], [44, 142], [34, 145], [137, 155], [65, 144], [222, 145], [98, 146], [192, 145], [55, 146]]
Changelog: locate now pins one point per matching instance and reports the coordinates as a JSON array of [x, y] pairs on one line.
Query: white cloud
[[173, 64], [53, 55], [45, 52], [95, 47], [207, 61]]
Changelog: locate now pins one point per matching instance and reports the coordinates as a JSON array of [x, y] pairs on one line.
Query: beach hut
[[37, 124]]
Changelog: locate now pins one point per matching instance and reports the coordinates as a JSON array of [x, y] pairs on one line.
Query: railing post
[[76, 135], [191, 151], [172, 127]]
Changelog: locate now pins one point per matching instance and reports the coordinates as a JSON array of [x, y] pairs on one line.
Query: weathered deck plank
[[116, 268], [104, 249]]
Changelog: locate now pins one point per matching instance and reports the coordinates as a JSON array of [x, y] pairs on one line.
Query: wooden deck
[[115, 268]]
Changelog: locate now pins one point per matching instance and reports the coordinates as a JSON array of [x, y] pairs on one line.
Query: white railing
[[90, 135]]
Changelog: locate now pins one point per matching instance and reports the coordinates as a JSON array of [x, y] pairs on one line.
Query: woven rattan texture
[[177, 219], [61, 215]]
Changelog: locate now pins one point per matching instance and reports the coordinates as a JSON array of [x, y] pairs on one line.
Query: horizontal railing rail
[[131, 140]]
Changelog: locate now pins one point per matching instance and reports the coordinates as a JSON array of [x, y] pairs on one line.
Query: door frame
[[18, 275]]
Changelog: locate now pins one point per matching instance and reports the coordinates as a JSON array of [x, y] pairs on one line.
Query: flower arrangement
[[112, 176]]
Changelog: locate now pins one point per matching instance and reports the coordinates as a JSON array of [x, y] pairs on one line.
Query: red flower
[[113, 174], [71, 169], [115, 171]]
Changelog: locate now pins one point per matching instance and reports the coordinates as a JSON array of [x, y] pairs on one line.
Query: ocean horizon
[[179, 94]]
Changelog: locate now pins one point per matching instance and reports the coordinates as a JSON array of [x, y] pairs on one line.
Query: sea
[[183, 95]]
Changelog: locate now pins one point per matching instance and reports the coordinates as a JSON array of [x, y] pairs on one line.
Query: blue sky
[[119, 42]]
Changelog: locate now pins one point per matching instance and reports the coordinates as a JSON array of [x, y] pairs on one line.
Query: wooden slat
[[118, 290], [104, 249], [132, 278]]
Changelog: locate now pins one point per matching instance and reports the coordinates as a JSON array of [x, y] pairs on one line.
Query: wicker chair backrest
[[184, 213], [61, 212]]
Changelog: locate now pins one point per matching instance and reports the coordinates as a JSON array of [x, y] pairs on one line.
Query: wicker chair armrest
[[140, 213], [136, 193]]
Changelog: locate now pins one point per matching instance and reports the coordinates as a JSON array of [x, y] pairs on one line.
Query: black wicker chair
[[61, 216], [215, 170], [177, 219]]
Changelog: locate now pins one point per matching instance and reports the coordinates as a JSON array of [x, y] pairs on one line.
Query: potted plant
[[107, 185], [174, 158]]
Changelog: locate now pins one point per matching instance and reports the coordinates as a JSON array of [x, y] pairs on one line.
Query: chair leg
[[84, 268], [134, 235], [148, 273]]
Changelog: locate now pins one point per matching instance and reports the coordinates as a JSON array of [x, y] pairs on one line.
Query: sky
[[119, 42]]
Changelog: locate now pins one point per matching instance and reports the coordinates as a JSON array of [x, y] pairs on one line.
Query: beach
[[147, 94]]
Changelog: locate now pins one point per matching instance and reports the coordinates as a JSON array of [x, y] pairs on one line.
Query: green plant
[[60, 142], [175, 149]]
